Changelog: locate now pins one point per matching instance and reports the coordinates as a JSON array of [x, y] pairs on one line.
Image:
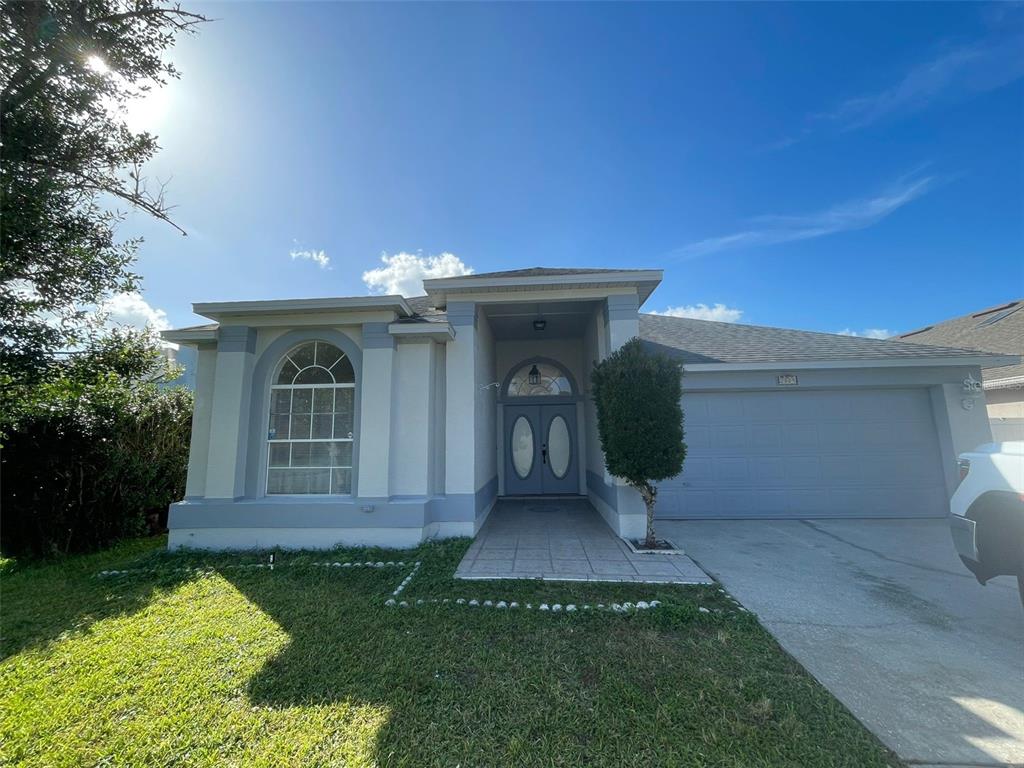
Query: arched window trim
[[347, 437], [574, 393]]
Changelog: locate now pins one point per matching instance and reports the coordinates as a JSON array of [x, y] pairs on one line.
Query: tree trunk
[[650, 495]]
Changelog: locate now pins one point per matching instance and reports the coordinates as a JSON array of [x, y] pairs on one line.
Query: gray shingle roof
[[704, 341], [424, 313], [984, 329], [546, 272]]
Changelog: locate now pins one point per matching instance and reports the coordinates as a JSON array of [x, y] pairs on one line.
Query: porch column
[[229, 414], [623, 325], [623, 319], [412, 437], [460, 400], [375, 411], [199, 445]]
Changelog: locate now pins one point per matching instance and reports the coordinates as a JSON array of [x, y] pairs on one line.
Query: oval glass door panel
[[558, 447], [522, 447]]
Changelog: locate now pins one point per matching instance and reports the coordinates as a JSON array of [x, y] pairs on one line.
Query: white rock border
[[267, 566], [405, 582], [626, 607]]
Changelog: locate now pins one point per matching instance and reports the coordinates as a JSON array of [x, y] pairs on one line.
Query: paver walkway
[[564, 540]]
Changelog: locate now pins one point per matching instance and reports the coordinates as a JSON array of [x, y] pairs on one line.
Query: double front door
[[540, 449]]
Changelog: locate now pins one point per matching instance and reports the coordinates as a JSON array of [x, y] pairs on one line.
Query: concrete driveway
[[883, 614]]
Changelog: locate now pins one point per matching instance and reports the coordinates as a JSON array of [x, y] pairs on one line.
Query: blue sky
[[822, 166]]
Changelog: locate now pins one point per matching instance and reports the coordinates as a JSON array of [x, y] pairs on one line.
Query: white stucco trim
[[190, 336], [441, 332], [644, 282], [215, 310]]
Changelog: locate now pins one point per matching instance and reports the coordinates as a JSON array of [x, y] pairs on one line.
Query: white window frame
[[272, 441]]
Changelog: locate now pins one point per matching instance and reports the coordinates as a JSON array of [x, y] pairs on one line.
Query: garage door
[[842, 453]]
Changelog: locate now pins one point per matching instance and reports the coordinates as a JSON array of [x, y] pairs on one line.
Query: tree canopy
[[640, 419], [68, 70]]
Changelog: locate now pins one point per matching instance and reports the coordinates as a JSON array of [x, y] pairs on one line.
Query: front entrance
[[540, 449]]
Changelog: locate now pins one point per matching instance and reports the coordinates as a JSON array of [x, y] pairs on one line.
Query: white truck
[[987, 511]]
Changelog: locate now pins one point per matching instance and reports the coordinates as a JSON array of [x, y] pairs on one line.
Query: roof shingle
[[985, 330], [706, 341]]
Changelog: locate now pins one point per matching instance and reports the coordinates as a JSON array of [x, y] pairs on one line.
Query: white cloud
[[133, 310], [404, 273], [949, 76], [320, 258], [868, 333], [844, 217], [953, 75], [720, 313]]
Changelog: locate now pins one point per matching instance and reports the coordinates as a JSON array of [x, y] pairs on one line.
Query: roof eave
[[440, 287], [190, 337], [440, 332], [218, 310], [890, 362]]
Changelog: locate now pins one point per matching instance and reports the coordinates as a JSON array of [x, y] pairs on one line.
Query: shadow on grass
[[487, 687], [43, 600]]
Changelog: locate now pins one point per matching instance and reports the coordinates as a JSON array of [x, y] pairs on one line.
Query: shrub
[[640, 419], [93, 450]]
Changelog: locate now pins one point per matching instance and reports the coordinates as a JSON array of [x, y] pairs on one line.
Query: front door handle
[[543, 454]]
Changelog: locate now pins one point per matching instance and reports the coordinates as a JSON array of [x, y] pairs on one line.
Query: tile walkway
[[564, 540]]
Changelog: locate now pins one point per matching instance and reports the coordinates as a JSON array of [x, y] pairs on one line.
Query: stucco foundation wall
[[294, 538]]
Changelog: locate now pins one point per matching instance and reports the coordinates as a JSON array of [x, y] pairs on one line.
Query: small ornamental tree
[[640, 420]]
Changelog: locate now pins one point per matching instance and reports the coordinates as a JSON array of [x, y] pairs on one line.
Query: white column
[[460, 400], [623, 319], [229, 417], [623, 325], [412, 420], [375, 411], [199, 445]]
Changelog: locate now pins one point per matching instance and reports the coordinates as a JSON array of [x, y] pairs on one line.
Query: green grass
[[306, 666]]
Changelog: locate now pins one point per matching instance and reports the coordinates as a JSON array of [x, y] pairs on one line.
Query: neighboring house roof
[[704, 342], [996, 329]]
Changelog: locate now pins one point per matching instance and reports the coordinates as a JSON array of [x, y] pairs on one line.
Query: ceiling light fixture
[[540, 325], [534, 376]]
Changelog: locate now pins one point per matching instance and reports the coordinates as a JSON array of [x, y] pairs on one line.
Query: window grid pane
[[310, 434]]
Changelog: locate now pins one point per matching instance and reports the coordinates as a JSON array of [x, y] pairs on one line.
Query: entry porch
[[564, 539]]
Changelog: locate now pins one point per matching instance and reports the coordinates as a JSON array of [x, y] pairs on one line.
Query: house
[[996, 329], [386, 420]]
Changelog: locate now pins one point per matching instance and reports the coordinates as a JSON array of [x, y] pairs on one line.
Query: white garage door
[[842, 453]]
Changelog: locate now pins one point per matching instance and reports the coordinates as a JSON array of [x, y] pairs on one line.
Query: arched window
[[312, 418], [539, 379]]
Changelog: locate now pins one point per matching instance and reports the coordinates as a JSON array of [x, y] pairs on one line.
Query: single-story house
[[387, 420], [996, 329]]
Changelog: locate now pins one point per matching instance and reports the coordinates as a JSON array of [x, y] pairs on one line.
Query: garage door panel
[[829, 453], [766, 438], [797, 438], [803, 471], [768, 471], [730, 470], [728, 438]]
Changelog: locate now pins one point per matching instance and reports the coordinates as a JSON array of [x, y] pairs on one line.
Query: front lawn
[[190, 661]]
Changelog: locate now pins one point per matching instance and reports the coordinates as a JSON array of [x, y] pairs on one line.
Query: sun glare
[[97, 64]]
